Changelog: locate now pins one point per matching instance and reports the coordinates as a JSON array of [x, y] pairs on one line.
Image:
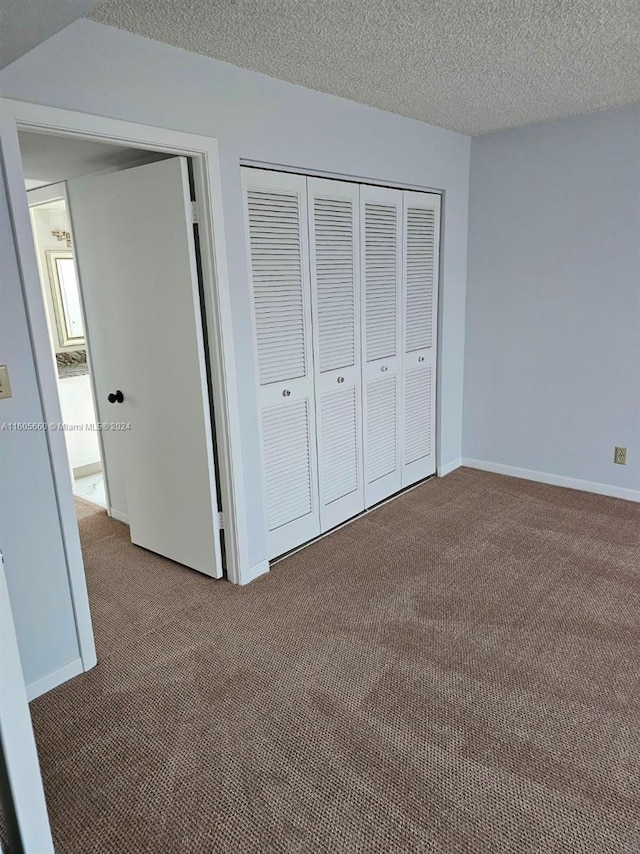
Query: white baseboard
[[52, 680], [555, 479], [447, 468], [254, 572], [117, 514]]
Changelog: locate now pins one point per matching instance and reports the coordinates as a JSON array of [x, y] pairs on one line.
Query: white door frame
[[20, 115]]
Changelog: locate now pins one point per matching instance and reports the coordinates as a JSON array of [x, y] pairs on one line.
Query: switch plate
[[5, 385], [620, 456]]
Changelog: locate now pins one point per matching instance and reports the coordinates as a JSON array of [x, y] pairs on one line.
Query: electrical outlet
[[620, 456], [5, 385]]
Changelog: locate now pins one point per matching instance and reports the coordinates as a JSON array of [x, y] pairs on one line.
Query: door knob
[[118, 397]]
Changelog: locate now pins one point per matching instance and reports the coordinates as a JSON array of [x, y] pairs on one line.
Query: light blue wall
[[96, 69], [552, 379]]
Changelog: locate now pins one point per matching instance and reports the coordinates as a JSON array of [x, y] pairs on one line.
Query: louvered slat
[[274, 235], [419, 290], [285, 430], [334, 281], [417, 419], [339, 466], [382, 414], [381, 280]]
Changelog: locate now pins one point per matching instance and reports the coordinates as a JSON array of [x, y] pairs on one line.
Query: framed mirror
[[66, 297]]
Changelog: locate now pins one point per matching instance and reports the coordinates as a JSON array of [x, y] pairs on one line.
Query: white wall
[[552, 378]]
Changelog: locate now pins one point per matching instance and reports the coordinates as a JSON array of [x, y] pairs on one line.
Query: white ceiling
[[26, 23], [47, 159], [470, 65]]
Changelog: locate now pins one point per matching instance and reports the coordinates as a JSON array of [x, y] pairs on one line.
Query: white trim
[[217, 298], [119, 515], [52, 680], [447, 468], [256, 571], [440, 284], [336, 176], [555, 479]]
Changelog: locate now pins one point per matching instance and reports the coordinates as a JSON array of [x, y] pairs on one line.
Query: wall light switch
[[5, 385]]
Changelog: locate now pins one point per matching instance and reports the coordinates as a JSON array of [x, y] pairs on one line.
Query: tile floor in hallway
[[91, 487]]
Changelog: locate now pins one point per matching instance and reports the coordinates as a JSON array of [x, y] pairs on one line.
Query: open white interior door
[[135, 250]]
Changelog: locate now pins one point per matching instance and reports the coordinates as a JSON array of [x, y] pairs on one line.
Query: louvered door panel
[[335, 282], [420, 263], [334, 254], [340, 440], [381, 272], [381, 243], [420, 291], [287, 462], [417, 408], [276, 267], [382, 420], [276, 224]]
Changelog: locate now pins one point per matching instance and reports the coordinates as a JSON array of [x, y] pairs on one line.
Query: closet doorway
[[345, 287]]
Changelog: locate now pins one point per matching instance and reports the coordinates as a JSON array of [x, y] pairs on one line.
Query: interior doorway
[[121, 278]]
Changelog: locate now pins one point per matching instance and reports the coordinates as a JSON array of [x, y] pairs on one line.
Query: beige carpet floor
[[458, 671]]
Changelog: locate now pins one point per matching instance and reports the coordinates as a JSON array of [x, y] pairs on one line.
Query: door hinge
[[220, 521], [194, 213]]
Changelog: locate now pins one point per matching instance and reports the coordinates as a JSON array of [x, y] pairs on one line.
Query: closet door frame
[[337, 380], [425, 358], [286, 392]]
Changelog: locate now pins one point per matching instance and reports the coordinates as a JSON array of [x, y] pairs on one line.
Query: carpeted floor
[[456, 672]]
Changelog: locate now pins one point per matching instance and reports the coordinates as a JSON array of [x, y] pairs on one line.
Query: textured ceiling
[[470, 65]]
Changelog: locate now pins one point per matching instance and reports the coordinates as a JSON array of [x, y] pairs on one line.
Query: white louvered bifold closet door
[[420, 310], [381, 274], [276, 222], [335, 287]]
